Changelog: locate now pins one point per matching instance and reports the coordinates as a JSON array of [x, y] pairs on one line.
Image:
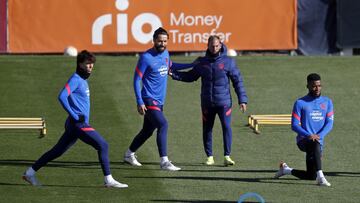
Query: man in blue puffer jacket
[[216, 70]]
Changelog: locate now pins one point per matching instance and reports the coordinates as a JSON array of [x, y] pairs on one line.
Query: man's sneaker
[[31, 179], [281, 172], [322, 182], [131, 159], [210, 161], [115, 184], [228, 161], [167, 165]]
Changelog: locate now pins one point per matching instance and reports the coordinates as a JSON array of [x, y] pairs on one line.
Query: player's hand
[[141, 109], [243, 107], [314, 137], [170, 72], [172, 75]]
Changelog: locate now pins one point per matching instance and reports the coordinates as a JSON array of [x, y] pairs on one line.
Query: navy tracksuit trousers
[[313, 159], [208, 118], [73, 132], [153, 119]]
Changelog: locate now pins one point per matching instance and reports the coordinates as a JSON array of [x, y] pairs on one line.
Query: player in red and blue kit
[[152, 70], [312, 119], [75, 99]]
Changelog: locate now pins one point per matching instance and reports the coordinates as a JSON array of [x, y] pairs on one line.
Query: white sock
[[129, 153], [287, 170], [320, 174], [30, 172], [108, 178], [164, 159]]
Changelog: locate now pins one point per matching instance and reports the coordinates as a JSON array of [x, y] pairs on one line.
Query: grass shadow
[[78, 164], [125, 166], [47, 185], [343, 174], [265, 180], [188, 201]]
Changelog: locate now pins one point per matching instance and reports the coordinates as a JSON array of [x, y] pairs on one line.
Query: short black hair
[[85, 57], [160, 31], [313, 77]]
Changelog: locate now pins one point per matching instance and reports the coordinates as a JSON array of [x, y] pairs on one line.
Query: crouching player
[[312, 119], [75, 98]]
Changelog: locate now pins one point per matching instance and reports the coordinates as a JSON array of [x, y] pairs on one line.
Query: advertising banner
[[128, 25], [3, 36]]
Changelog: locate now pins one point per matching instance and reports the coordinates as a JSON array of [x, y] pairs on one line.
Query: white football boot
[[281, 172], [131, 159], [31, 179], [115, 184], [322, 182], [167, 165]]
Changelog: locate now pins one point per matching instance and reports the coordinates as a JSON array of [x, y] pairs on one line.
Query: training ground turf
[[29, 86]]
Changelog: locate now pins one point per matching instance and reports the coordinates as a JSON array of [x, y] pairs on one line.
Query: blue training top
[[75, 97], [152, 69], [312, 115]]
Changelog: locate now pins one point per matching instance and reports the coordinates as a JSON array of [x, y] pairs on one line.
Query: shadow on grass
[[188, 201], [43, 186], [195, 201], [115, 165], [266, 180], [125, 166], [80, 164], [19, 162], [72, 164], [228, 169], [346, 174]]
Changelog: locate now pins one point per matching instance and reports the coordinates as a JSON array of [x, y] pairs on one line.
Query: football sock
[[164, 159], [30, 171], [287, 170], [320, 174], [129, 153], [108, 178]]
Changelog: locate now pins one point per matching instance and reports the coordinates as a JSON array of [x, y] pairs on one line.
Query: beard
[[212, 55], [314, 94], [82, 71], [160, 48]]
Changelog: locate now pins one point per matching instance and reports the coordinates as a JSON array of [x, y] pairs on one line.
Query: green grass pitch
[[29, 86]]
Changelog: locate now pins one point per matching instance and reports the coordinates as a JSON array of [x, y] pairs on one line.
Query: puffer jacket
[[216, 73]]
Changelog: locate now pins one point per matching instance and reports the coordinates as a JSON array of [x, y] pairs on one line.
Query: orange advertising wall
[[40, 26], [3, 31]]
